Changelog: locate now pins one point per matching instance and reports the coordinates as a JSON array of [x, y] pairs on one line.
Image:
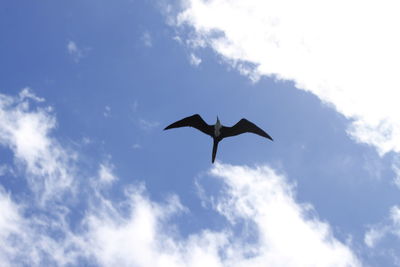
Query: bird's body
[[217, 128], [218, 131]]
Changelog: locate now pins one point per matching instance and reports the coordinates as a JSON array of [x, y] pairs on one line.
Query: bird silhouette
[[218, 131]]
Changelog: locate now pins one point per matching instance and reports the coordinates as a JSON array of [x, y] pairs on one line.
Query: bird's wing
[[193, 121], [243, 126]]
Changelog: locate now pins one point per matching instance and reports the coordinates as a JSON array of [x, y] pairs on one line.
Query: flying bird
[[218, 131]]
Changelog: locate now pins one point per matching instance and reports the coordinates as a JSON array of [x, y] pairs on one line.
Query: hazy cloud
[[194, 60], [76, 52], [136, 146], [147, 39], [148, 125], [107, 112]]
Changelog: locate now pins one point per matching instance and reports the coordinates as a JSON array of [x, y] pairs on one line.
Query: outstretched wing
[[243, 126], [194, 121]]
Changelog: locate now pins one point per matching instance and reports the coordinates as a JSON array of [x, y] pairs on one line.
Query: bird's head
[[218, 122]]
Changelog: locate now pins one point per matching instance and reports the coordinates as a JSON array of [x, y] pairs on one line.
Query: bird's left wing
[[243, 126], [193, 121]]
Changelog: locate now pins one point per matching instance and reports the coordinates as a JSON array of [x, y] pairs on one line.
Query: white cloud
[[379, 231], [148, 125], [344, 52], [136, 146], [146, 39], [194, 60], [86, 140], [288, 232], [76, 52], [27, 132], [107, 112], [106, 175], [132, 240], [9, 222], [27, 240], [178, 39], [26, 93], [71, 47], [373, 235], [285, 233], [13, 232], [275, 230]]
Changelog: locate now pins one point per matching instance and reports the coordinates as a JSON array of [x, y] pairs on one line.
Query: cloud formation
[[379, 231], [148, 125], [147, 39], [274, 229], [345, 53], [106, 175], [26, 129], [194, 60], [74, 51]]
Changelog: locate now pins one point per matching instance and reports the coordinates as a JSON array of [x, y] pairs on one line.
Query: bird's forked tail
[[214, 152]]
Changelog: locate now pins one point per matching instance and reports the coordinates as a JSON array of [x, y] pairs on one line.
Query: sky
[[88, 177]]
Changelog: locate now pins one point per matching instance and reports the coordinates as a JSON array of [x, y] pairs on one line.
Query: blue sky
[[89, 177]]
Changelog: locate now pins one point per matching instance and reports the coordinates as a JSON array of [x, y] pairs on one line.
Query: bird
[[218, 131]]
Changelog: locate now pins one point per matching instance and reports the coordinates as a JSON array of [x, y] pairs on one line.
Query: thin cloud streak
[[148, 125]]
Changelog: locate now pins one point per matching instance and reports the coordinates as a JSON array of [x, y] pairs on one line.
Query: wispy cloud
[[106, 175], [147, 39], [28, 239], [284, 232], [379, 231], [135, 230], [148, 125], [107, 112], [86, 140], [27, 93], [75, 51], [134, 106], [136, 146], [27, 132], [350, 63], [194, 60]]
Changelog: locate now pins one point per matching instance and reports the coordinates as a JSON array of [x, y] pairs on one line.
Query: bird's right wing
[[194, 121], [243, 126]]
